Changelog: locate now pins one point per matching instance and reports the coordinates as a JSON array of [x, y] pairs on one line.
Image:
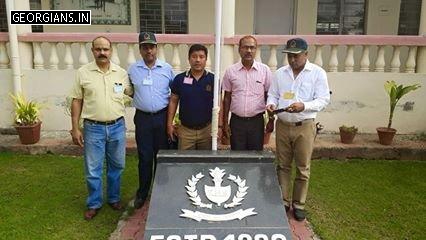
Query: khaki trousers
[[190, 139], [294, 142]]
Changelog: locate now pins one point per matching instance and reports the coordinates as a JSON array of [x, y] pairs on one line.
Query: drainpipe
[[14, 50]]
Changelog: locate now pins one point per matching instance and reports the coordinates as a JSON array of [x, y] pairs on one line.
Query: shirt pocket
[[305, 91], [117, 91], [258, 86]]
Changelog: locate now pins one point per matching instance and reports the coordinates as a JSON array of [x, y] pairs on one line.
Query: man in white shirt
[[298, 91]]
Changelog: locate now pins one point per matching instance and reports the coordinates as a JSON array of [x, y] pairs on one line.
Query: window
[[409, 17], [164, 16], [36, 5], [340, 17], [3, 17]]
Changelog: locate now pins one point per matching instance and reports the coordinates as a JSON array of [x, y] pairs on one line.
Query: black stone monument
[[216, 195]]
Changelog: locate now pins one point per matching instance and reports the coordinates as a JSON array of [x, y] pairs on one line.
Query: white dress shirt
[[310, 87]]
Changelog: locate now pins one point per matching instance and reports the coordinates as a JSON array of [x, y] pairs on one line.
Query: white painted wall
[[358, 99]]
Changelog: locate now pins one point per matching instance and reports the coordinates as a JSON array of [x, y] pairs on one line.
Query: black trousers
[[247, 132], [151, 136]]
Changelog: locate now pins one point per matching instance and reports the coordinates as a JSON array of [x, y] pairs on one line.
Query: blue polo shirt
[[151, 85], [195, 98]]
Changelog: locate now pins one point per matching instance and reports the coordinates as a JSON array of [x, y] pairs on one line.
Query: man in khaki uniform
[[298, 91], [98, 99]]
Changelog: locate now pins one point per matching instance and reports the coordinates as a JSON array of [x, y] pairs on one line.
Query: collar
[[141, 63], [255, 65], [308, 67], [94, 67], [188, 73]]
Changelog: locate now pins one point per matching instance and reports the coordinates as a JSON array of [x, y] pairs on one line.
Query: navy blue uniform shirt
[[195, 98]]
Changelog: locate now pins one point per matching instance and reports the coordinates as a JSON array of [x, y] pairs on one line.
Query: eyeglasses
[[248, 47]]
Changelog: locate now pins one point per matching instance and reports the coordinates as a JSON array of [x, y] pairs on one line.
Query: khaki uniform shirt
[[101, 92]]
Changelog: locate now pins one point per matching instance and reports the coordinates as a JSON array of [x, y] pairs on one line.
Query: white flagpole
[[218, 36]]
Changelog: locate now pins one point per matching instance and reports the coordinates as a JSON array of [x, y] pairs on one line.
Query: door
[[273, 17]]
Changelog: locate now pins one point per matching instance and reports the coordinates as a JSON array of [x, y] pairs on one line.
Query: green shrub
[[26, 112], [351, 129]]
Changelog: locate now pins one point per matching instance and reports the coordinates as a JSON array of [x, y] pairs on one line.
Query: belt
[[297, 124], [104, 123], [247, 118], [197, 127], [152, 113]]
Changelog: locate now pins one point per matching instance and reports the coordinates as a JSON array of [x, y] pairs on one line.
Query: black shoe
[[138, 203], [299, 214], [116, 206], [287, 208]]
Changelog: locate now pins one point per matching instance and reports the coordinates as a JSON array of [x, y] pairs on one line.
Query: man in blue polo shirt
[[193, 91], [151, 79]]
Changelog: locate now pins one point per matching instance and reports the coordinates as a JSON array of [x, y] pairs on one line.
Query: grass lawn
[[360, 199], [43, 197]]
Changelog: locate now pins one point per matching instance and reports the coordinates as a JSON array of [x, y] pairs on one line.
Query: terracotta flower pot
[[346, 137], [386, 135], [29, 134]]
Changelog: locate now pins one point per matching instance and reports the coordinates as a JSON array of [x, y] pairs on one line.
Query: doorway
[[273, 17]]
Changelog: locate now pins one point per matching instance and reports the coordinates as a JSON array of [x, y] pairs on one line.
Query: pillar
[[421, 50]]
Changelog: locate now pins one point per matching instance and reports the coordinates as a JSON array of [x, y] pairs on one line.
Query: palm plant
[[395, 93], [26, 112]]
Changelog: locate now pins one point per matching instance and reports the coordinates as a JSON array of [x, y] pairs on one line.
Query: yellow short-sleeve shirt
[[101, 92]]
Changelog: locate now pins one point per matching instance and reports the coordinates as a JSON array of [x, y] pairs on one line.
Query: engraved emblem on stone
[[219, 194]]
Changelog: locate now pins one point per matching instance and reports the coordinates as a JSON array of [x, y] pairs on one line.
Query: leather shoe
[[116, 206], [90, 213], [138, 203], [299, 214]]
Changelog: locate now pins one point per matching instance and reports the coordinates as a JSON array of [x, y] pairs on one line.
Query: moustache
[[102, 56]]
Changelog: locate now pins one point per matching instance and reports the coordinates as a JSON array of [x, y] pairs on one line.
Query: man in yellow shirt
[[98, 99]]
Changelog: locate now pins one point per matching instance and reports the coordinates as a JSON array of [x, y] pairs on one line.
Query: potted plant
[[27, 122], [347, 134], [395, 92]]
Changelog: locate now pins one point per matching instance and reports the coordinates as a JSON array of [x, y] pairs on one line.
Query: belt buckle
[[298, 124]]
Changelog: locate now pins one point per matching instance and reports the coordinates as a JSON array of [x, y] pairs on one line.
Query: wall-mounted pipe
[[14, 50]]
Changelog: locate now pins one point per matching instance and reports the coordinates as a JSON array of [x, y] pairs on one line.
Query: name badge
[[288, 95], [147, 81], [118, 88], [187, 80]]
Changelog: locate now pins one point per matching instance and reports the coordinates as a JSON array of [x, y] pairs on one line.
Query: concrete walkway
[[366, 146]]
